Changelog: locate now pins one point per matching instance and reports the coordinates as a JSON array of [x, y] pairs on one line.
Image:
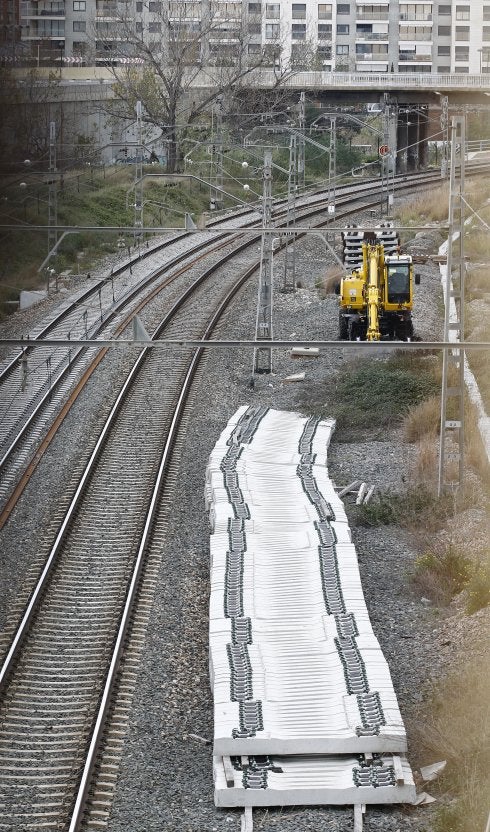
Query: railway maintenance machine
[[376, 297]]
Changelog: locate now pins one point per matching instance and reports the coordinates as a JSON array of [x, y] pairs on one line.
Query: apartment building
[[385, 36]]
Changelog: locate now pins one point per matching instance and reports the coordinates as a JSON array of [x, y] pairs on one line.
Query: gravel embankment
[[166, 776]]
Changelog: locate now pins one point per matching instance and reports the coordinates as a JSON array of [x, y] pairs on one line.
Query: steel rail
[[53, 557], [111, 678]]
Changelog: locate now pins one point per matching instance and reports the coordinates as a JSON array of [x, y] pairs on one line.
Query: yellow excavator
[[376, 298]]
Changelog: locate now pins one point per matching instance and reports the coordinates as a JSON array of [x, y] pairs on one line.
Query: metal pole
[[138, 177], [289, 281], [52, 195], [454, 388], [301, 145], [218, 157], [445, 134], [263, 326], [332, 172]]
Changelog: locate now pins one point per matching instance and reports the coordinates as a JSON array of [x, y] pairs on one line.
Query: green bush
[[443, 572], [387, 508], [375, 394]]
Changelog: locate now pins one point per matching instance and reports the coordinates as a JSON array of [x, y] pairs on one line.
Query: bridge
[[413, 103]]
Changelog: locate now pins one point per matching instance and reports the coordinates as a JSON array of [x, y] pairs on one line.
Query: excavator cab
[[398, 283]]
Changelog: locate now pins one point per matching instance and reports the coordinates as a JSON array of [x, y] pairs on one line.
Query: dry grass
[[422, 420], [432, 207], [477, 279], [479, 245], [477, 191], [424, 468], [476, 455], [458, 731]]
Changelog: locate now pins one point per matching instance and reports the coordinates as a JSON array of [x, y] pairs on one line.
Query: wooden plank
[[350, 487], [247, 822], [229, 772], [362, 493], [359, 810], [397, 765]]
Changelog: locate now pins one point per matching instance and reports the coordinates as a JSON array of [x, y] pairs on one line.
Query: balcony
[[415, 18], [45, 33], [368, 36], [379, 18], [36, 10], [377, 57], [425, 38], [425, 59]]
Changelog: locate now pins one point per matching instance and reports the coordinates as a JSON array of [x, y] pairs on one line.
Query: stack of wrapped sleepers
[[304, 706]]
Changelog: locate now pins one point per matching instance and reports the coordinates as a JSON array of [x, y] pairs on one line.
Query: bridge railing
[[361, 80]]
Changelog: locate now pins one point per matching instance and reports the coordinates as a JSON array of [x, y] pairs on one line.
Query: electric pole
[[263, 326]]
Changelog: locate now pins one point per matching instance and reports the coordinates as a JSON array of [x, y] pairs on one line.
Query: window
[[299, 11], [273, 10], [139, 5], [298, 31], [462, 12], [255, 8], [79, 26], [343, 8], [486, 12], [462, 69], [444, 68], [154, 6], [398, 284], [139, 26], [342, 49], [461, 53], [415, 11], [372, 12], [444, 31], [154, 27], [254, 48], [324, 11], [324, 31], [415, 33], [271, 30], [486, 33], [342, 28], [444, 10], [324, 52], [462, 32], [79, 5], [255, 28], [443, 50]]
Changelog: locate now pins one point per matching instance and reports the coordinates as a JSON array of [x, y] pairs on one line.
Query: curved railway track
[[35, 385], [59, 677], [91, 578]]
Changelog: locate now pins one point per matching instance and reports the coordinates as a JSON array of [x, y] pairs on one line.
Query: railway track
[[53, 695], [51, 677], [35, 385]]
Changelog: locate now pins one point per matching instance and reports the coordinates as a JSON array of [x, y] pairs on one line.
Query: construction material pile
[[304, 706]]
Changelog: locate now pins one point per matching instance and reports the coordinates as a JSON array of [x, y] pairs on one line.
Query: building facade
[[385, 36]]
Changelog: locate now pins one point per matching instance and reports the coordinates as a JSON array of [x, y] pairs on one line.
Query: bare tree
[[158, 57], [28, 105]]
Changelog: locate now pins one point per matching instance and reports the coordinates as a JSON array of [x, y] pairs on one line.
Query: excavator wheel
[[343, 328]]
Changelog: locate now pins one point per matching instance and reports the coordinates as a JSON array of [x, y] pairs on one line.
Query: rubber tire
[[343, 328]]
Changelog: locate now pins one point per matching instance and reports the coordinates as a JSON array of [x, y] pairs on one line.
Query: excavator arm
[[373, 293]]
